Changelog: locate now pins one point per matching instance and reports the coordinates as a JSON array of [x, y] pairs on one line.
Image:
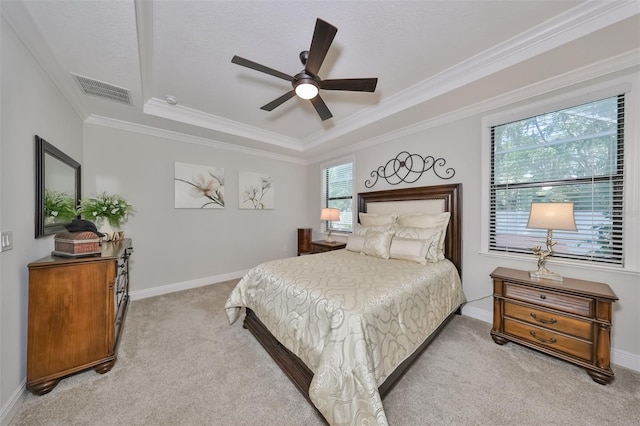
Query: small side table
[[570, 320], [322, 246]]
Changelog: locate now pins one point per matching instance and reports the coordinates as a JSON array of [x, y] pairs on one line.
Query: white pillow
[[370, 219], [355, 243], [377, 244], [431, 235], [427, 221], [362, 230], [409, 249]]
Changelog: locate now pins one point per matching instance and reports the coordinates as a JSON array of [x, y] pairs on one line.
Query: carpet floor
[[181, 363]]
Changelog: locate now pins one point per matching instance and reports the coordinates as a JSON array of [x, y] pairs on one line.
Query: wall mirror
[[57, 188]]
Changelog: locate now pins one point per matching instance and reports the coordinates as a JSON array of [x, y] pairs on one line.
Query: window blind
[[338, 194], [571, 155]]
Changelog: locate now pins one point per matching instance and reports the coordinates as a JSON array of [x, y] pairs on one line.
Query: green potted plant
[[59, 207], [108, 211]]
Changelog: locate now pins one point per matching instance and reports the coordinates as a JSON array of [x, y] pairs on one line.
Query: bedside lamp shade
[[549, 216], [557, 216], [329, 215]]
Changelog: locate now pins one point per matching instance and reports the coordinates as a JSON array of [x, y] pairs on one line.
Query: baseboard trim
[[185, 285], [12, 406], [618, 357]]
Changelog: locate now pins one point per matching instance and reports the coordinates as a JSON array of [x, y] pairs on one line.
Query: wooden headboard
[[449, 198]]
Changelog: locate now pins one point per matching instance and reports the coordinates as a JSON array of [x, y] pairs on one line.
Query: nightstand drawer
[[564, 302], [556, 341], [553, 321]]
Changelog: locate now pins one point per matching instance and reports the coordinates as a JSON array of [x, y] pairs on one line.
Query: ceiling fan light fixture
[[307, 84], [307, 88]]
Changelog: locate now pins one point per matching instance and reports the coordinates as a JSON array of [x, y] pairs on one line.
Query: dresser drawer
[[574, 304], [549, 339], [553, 321]]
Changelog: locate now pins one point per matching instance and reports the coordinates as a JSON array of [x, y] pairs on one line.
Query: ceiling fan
[[307, 84]]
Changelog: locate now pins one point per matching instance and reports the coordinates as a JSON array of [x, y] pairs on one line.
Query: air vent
[[103, 90]]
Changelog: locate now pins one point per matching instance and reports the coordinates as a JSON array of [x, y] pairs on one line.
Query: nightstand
[[568, 319], [322, 246]]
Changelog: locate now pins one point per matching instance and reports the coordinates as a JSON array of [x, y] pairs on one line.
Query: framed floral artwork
[[198, 187], [255, 191]]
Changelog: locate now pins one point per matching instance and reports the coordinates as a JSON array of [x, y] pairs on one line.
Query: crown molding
[[577, 22], [160, 108], [564, 28], [617, 63], [182, 137]]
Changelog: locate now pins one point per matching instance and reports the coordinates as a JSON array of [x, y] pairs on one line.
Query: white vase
[[110, 234]]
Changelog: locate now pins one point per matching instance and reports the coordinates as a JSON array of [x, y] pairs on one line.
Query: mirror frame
[[44, 148]]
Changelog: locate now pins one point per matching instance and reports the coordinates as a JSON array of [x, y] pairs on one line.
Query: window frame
[[631, 175], [323, 191]]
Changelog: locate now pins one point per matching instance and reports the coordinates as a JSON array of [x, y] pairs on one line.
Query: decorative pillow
[[362, 230], [427, 221], [377, 244], [409, 249], [370, 219], [431, 235], [355, 243]]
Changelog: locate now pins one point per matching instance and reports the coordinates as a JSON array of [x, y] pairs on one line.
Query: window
[[338, 193], [570, 155]]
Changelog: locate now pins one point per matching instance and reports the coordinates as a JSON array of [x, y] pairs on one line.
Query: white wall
[[174, 248], [460, 143], [31, 105], [180, 248]]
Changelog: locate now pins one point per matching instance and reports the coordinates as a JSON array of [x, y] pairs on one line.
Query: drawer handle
[[550, 341], [542, 296], [543, 321]]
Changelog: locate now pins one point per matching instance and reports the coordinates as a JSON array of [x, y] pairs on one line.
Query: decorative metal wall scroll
[[409, 168]]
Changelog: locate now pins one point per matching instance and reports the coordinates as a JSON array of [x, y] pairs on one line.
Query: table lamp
[[549, 216], [329, 215]]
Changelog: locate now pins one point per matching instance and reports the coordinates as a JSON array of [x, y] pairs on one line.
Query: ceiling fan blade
[[321, 107], [352, 84], [277, 102], [258, 67], [322, 38]]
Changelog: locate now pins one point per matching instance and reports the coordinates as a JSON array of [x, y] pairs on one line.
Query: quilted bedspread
[[352, 319]]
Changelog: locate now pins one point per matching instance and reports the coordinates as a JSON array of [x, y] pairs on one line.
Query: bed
[[344, 326]]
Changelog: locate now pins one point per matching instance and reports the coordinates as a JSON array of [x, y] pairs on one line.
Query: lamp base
[[545, 274], [329, 239]]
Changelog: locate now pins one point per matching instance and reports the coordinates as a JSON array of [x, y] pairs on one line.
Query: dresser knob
[[542, 296]]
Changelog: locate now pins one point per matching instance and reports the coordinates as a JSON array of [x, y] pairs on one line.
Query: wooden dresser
[[304, 241], [77, 308], [569, 319]]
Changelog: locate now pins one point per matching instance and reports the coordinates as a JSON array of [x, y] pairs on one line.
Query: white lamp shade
[[552, 216], [330, 214]]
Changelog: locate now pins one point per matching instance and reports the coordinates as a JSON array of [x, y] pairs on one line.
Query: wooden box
[[75, 244]]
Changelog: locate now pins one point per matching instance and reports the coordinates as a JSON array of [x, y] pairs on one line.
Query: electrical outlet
[[7, 240]]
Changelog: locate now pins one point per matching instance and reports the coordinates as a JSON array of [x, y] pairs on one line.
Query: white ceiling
[[419, 51]]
